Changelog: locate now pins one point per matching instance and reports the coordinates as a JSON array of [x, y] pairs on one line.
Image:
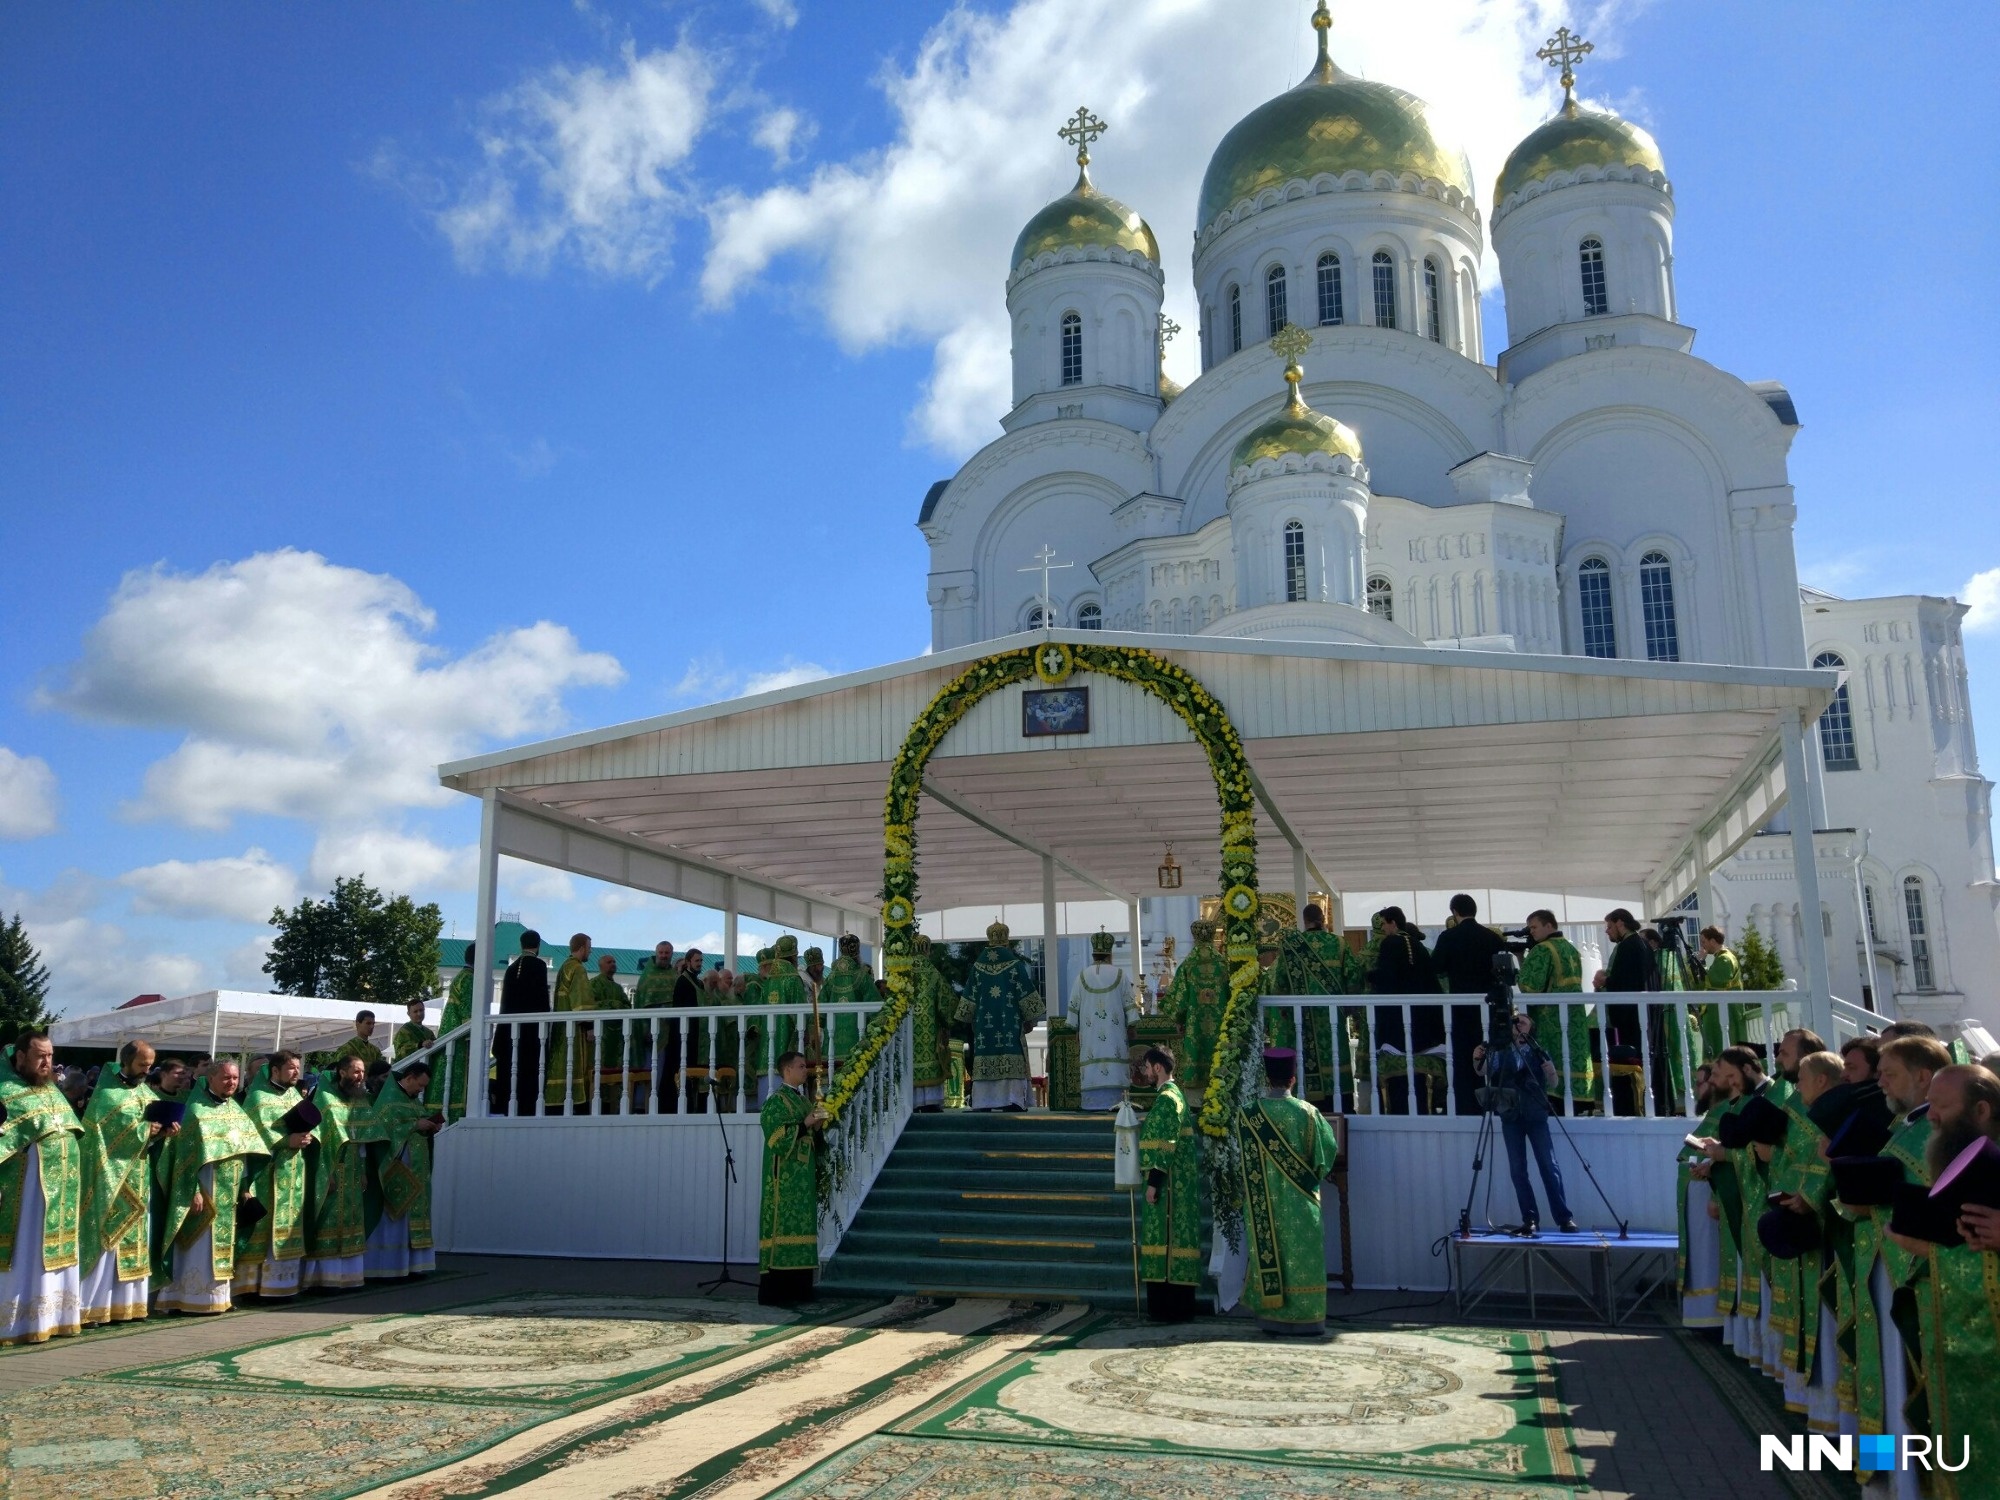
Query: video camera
[[1516, 940], [1500, 1000], [1673, 939]]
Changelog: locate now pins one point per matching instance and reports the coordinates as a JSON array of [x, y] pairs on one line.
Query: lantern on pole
[[1170, 871]]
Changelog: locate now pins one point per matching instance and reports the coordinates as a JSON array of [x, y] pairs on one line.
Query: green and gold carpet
[[674, 1398]]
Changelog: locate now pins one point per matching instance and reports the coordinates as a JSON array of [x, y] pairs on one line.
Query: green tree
[[1761, 968], [356, 945], [24, 983]]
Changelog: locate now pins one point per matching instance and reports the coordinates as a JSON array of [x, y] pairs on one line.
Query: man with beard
[[399, 1177], [120, 1129], [1700, 1258], [40, 1189], [337, 1179], [271, 1252], [1736, 1182], [204, 1170]]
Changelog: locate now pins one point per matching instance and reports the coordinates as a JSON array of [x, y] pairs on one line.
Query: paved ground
[[1651, 1423]]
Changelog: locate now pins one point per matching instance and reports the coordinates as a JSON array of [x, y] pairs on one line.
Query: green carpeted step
[[1013, 1180], [913, 1273], [926, 1205], [1012, 1243]]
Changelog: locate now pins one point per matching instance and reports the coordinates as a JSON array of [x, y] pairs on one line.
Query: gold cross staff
[[1083, 128], [1045, 564], [1565, 50]]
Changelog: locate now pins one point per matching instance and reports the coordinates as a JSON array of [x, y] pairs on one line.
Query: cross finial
[[1323, 70], [1168, 328], [1565, 50], [1046, 564], [1083, 128], [1291, 341]]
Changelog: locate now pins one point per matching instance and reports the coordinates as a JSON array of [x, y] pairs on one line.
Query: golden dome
[[1576, 138], [1298, 428], [1084, 217], [1329, 123]]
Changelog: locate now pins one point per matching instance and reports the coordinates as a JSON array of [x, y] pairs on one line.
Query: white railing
[[1850, 1019], [1651, 1072], [859, 1142], [664, 1062]]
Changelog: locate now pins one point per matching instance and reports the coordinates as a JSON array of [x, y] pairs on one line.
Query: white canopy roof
[[222, 1021], [1393, 768]]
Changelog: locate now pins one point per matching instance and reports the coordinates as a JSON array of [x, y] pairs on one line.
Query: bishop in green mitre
[[1288, 1151], [567, 1080], [933, 1003], [778, 982], [271, 1253], [457, 1012], [1195, 1000], [1003, 1004], [1316, 961], [606, 993], [114, 1227], [337, 1180], [204, 1171], [41, 1185], [1170, 1223], [788, 1209], [413, 1035], [848, 982], [398, 1200]]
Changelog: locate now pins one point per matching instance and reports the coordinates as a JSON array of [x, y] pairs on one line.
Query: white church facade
[[1350, 466]]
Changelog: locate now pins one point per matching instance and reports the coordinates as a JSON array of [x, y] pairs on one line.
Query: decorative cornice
[[1555, 181], [1327, 182], [1297, 463], [1070, 255]]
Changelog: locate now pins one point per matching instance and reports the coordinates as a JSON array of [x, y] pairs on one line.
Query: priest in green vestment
[[779, 982], [788, 1208], [398, 1201], [1316, 961], [361, 1044], [457, 1011], [1288, 1151], [606, 993], [1736, 1198], [270, 1254], [204, 1171], [41, 1189], [848, 982], [1552, 966], [1170, 1223], [567, 1078], [413, 1035], [115, 1224], [337, 1180], [1195, 999], [933, 1003], [714, 1046], [1003, 1003]]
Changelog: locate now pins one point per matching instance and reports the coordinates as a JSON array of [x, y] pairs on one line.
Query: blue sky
[[384, 383]]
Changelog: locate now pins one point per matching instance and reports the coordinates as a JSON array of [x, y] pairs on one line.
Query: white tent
[[223, 1021]]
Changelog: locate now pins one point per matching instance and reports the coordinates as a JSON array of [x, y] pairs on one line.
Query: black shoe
[[1567, 1226], [1528, 1230]]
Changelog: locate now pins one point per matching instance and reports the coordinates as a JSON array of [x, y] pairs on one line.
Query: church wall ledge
[[1556, 181], [1326, 182], [1072, 255], [1297, 463]]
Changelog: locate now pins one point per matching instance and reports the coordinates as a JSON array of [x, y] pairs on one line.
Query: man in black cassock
[[524, 991]]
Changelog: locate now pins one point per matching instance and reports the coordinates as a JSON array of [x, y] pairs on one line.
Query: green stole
[[572, 992], [117, 1186], [788, 1214], [933, 1005], [1287, 1151], [337, 1176], [1963, 1370], [781, 986], [1725, 1181], [1170, 1230], [398, 1187], [279, 1181], [41, 1118], [214, 1133], [457, 1011]]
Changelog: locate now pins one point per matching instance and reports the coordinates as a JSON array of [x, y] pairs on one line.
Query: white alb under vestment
[[1100, 1008], [1704, 1260], [195, 1287], [389, 1254], [36, 1304], [106, 1299]]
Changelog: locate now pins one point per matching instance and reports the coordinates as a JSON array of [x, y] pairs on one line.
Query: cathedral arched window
[[1331, 310], [1433, 302], [1090, 617], [1836, 725], [1072, 349], [1384, 270], [1916, 917], [1381, 597], [1656, 607], [1590, 260], [1274, 300], [1295, 562], [1235, 319], [1593, 598], [1036, 619]]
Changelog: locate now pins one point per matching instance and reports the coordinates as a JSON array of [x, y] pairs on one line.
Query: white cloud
[[92, 963], [784, 12], [523, 880], [306, 690], [747, 942], [584, 164], [240, 888], [711, 681], [243, 965], [1981, 596], [909, 243], [392, 861], [27, 796], [782, 132]]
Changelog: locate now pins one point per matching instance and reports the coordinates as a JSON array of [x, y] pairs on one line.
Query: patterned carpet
[[643, 1398]]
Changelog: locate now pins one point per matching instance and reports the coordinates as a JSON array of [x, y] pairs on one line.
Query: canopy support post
[[729, 924], [1812, 935], [1138, 947], [483, 955], [1051, 945]]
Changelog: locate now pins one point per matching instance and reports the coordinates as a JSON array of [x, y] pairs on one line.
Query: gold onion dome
[[1084, 218], [1330, 123], [1576, 138], [1298, 428]]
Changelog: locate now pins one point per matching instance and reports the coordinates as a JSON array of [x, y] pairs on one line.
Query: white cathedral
[[1596, 489]]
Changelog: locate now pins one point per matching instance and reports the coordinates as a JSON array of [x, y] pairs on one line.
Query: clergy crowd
[[178, 1188], [1840, 1232]]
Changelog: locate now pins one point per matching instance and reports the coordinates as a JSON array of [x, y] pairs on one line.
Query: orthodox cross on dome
[[1565, 50], [1168, 328], [1291, 341], [1046, 564], [1323, 70], [1083, 128]]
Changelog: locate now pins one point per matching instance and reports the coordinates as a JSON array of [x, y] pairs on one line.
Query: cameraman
[[1518, 1076]]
